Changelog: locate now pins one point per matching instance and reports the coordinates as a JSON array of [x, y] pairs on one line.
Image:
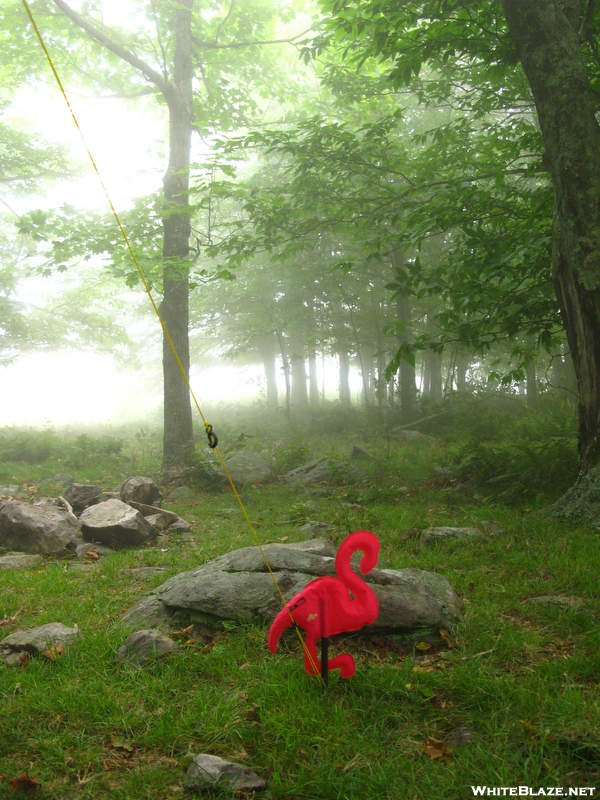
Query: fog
[[84, 387]]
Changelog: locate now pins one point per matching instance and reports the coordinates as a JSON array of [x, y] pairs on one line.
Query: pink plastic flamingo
[[327, 606]]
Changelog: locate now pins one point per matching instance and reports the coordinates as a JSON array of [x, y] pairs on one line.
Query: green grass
[[89, 728]]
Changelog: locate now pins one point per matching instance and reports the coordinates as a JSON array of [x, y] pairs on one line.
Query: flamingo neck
[[346, 574]]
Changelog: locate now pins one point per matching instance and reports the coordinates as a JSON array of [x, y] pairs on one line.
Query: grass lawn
[[520, 678]]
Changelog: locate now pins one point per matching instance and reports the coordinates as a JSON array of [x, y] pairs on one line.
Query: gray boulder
[[145, 645], [323, 470], [245, 467], [180, 493], [81, 495], [46, 529], [210, 772], [446, 534], [37, 640], [141, 490], [116, 524], [20, 561], [238, 587]]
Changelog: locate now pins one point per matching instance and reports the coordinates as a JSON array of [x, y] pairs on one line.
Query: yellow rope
[[167, 336]]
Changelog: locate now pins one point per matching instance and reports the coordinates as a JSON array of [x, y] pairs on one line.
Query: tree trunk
[[178, 434], [286, 372], [178, 442], [436, 382], [298, 362], [268, 357], [365, 357], [462, 365], [344, 388], [548, 35], [545, 33], [531, 381], [313, 383], [381, 387], [408, 387]]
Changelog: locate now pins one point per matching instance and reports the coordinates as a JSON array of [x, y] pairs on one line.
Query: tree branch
[[237, 45], [110, 44]]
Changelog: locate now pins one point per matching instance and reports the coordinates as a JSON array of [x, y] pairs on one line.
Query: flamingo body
[[328, 606]]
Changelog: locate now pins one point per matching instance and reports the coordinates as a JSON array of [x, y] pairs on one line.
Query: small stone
[[44, 529], [180, 493], [59, 481], [104, 496], [84, 549], [20, 561], [116, 523], [37, 640], [246, 467], [446, 534], [141, 490], [315, 529], [81, 496], [145, 645], [181, 526], [209, 772], [141, 573]]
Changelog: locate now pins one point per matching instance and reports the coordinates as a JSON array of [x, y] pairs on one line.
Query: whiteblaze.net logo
[[528, 791]]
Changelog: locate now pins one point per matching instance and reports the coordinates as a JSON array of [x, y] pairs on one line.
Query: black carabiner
[[213, 439]]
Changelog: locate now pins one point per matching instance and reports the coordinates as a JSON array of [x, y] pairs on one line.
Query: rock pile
[[82, 517]]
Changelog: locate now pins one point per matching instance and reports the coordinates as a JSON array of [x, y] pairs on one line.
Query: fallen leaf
[[284, 539], [186, 631], [24, 659], [522, 511], [446, 637], [423, 646], [92, 554], [54, 652], [24, 783], [435, 749], [123, 745]]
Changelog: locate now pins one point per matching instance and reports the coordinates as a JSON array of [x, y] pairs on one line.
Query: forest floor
[[510, 700]]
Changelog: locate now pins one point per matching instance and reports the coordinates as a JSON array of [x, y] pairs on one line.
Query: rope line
[[208, 428]]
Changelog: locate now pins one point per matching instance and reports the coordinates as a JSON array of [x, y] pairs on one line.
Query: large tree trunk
[[545, 33], [178, 443]]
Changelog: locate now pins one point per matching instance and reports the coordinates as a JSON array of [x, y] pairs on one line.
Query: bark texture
[[545, 33], [178, 446]]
